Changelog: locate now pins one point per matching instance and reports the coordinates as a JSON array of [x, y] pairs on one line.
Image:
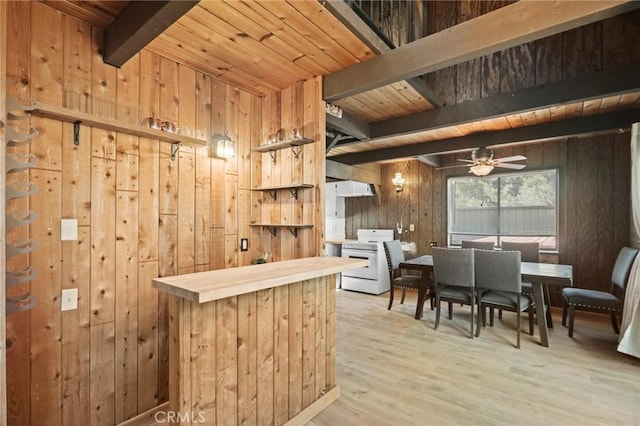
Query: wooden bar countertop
[[202, 287]]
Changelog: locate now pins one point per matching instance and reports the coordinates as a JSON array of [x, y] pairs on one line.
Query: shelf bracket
[[273, 194], [76, 132], [272, 154], [174, 150], [294, 192], [272, 230], [294, 232], [295, 149]]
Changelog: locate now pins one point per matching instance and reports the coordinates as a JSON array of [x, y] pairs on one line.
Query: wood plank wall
[[594, 201], [3, 141], [595, 173], [140, 214]]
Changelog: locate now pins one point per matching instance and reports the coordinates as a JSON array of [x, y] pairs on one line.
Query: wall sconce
[[222, 146], [398, 182]]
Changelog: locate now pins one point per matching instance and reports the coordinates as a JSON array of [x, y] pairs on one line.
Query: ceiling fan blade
[[510, 166], [465, 161], [512, 158], [452, 167]]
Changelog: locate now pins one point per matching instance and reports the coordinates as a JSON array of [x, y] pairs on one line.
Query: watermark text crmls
[[179, 417]]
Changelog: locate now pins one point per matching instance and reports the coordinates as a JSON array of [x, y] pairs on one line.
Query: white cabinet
[[334, 205]]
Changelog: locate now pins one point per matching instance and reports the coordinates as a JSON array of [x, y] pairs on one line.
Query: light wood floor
[[394, 370]]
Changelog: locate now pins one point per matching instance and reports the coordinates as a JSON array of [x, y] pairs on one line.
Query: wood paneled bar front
[[254, 344]]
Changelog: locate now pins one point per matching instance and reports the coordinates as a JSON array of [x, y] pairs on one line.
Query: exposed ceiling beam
[[343, 12], [509, 26], [581, 89], [138, 24], [590, 125], [349, 125]]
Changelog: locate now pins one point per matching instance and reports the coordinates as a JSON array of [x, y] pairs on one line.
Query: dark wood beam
[[582, 126], [349, 125], [509, 26], [343, 12], [138, 24], [581, 89]]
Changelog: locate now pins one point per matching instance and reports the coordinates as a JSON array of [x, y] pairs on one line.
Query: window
[[506, 207]]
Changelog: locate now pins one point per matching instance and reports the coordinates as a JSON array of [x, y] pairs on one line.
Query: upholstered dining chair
[[529, 252], [483, 245], [454, 276], [499, 285], [601, 301], [395, 256]]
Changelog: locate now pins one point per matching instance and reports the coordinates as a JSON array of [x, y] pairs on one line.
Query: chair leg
[[437, 311], [404, 293], [481, 313], [572, 314], [614, 323], [564, 313], [499, 315], [518, 327], [472, 317], [450, 310], [492, 314], [390, 297]]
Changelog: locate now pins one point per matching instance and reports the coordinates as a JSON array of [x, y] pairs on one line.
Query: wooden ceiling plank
[[519, 23], [98, 13], [313, 34], [599, 124], [610, 103], [334, 29], [593, 86], [138, 24], [275, 26], [168, 47], [236, 51], [275, 61]]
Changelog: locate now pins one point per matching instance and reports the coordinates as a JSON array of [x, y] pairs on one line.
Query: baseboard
[[315, 408], [147, 417]]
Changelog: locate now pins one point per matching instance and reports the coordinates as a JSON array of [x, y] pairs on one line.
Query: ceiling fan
[[482, 162]]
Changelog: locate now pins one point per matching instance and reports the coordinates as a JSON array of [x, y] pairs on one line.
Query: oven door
[[368, 272]]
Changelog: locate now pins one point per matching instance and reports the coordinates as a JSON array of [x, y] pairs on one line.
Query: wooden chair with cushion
[[601, 301], [483, 245], [499, 285], [454, 276], [395, 256]]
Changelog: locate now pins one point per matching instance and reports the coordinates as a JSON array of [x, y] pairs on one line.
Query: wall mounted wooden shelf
[[294, 144], [293, 228], [293, 189], [72, 116]]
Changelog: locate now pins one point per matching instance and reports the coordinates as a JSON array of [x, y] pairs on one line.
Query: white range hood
[[352, 188]]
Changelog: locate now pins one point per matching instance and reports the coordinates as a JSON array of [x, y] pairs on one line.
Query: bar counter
[[254, 344]]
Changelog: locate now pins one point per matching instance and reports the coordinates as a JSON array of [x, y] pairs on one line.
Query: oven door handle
[[359, 257]]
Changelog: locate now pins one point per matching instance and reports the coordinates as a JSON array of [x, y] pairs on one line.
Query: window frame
[[497, 236]]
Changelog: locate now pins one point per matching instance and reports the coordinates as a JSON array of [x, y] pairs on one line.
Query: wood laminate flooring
[[395, 370]]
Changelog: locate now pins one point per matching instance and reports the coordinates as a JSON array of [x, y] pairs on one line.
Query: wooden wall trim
[[3, 119]]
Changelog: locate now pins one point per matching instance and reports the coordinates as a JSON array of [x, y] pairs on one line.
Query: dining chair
[[454, 276], [601, 301], [483, 245], [529, 252], [395, 256], [499, 285]]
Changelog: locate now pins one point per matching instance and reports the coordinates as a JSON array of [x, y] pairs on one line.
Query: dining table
[[540, 275]]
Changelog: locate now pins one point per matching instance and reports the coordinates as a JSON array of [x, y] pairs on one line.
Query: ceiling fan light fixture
[[481, 169]]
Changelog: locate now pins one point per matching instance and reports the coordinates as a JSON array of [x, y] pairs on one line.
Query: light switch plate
[[244, 244], [69, 300], [68, 229], [412, 227]]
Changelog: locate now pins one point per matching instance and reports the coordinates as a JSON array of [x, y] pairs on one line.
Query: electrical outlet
[[69, 300], [244, 244], [433, 244], [68, 229]]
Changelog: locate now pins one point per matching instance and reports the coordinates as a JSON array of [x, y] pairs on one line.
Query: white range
[[373, 279]]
